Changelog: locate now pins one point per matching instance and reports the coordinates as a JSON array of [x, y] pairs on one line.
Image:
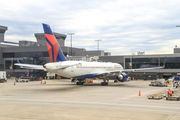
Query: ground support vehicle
[[156, 96], [3, 76], [176, 82], [159, 82], [21, 80], [163, 93], [175, 95]]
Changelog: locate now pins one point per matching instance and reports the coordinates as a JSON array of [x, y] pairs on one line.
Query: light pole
[[177, 26], [130, 64], [98, 43], [71, 40]]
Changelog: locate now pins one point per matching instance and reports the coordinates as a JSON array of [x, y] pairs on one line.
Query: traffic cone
[[44, 82], [41, 81], [139, 93]]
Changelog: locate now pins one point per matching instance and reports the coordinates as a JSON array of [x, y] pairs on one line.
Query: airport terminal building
[[36, 53]]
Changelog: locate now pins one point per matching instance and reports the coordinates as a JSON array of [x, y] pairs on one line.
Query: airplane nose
[[44, 66]]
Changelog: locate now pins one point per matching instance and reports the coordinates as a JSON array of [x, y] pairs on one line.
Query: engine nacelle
[[123, 77]]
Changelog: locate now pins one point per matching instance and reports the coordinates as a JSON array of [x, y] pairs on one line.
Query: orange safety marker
[[41, 81], [44, 82], [139, 93]]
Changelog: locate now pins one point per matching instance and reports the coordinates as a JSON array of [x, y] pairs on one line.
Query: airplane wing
[[127, 70], [109, 72], [30, 66]]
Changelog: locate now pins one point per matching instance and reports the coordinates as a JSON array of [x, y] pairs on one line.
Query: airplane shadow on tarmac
[[91, 84], [73, 86], [112, 85]]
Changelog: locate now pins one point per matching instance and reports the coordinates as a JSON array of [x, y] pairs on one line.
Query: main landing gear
[[115, 81], [80, 82], [73, 80], [104, 83]]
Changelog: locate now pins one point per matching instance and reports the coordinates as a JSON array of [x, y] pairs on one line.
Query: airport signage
[[141, 53]]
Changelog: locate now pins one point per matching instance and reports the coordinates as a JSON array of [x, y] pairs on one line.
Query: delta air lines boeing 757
[[78, 70]]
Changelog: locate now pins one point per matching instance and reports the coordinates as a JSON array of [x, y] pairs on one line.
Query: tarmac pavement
[[66, 100]]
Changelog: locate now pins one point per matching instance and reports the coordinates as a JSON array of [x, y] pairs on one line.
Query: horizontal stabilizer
[[29, 66]]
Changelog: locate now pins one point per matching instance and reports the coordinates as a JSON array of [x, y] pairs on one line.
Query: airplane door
[[72, 69], [58, 65]]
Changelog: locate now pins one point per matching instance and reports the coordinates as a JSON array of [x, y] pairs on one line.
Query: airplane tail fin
[[55, 52]]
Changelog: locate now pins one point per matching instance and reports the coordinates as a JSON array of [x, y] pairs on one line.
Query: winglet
[[19, 63]]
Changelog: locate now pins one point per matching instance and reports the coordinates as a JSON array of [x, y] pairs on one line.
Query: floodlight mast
[[98, 43], [71, 40]]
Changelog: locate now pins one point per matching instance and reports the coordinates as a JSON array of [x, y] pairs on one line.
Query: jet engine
[[122, 77]]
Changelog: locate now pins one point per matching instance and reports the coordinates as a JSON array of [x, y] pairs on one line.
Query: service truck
[[3, 76]]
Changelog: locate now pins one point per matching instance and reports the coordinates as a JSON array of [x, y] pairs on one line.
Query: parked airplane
[[78, 70]]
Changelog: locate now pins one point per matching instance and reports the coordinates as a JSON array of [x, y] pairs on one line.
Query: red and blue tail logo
[[55, 52]]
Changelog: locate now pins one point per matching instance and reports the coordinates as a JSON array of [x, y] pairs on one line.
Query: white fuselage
[[72, 69]]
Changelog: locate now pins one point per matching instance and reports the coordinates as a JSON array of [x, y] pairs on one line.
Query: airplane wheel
[[79, 83], [104, 83], [72, 80]]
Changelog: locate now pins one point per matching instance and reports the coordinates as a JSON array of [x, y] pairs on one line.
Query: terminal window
[[171, 62]]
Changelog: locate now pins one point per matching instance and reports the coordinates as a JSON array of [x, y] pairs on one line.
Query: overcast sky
[[123, 25]]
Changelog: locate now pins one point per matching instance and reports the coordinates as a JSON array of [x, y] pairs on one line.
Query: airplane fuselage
[[81, 69]]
